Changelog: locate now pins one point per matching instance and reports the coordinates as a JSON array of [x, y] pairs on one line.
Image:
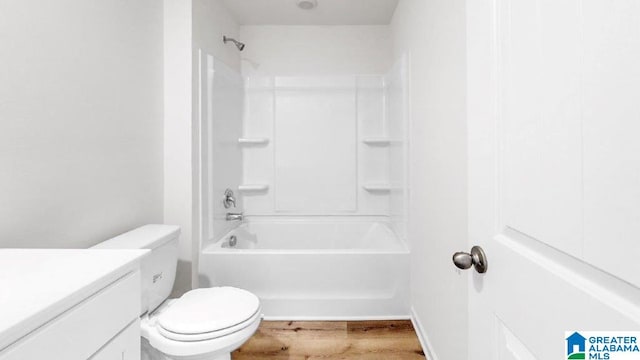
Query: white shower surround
[[324, 193], [329, 145], [321, 269]]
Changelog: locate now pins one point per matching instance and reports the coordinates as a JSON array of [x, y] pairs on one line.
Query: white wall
[[190, 26], [81, 120], [316, 50], [433, 32]]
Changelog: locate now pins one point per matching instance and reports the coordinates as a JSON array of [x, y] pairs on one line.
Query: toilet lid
[[209, 310]]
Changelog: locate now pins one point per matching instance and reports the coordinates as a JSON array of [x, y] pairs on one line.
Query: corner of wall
[[433, 34], [425, 343], [177, 131]]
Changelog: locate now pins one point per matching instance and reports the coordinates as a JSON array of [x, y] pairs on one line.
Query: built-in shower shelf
[[377, 187], [253, 187], [253, 141], [377, 141]]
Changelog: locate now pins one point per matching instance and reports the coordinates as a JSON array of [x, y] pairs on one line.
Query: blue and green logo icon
[[576, 345]]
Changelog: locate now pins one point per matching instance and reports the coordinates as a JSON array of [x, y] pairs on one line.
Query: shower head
[[238, 44]]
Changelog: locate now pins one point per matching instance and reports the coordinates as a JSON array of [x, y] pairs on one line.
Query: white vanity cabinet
[[70, 304], [125, 345]]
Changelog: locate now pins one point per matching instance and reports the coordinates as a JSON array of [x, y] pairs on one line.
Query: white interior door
[[554, 172]]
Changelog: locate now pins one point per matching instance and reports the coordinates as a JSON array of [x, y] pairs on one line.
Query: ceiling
[[328, 12]]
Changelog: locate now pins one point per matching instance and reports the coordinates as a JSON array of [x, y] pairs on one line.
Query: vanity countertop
[[36, 285]]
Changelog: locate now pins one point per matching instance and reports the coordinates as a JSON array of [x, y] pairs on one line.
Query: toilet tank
[[158, 269]]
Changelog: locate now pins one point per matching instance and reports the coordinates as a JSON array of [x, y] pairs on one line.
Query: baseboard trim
[[337, 318], [422, 336]]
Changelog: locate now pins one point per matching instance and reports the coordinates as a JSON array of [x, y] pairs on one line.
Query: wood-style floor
[[328, 340]]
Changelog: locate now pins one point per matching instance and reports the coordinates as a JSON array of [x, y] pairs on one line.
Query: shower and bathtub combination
[[303, 191], [315, 269]]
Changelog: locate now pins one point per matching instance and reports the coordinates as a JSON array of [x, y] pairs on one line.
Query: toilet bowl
[[203, 324]]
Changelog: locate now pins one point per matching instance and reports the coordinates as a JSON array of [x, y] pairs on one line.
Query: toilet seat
[[205, 335], [211, 334], [203, 314]]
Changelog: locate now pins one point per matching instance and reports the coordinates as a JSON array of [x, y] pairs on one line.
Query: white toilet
[[203, 324]]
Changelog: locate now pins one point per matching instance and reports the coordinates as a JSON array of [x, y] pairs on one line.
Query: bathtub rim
[[400, 246], [212, 249]]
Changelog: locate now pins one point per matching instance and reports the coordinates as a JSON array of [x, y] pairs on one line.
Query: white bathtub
[[314, 270]]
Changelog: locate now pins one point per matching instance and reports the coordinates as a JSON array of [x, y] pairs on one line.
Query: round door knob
[[462, 260], [476, 258]]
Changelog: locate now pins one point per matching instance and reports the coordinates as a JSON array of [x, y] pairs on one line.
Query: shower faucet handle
[[234, 217], [229, 199]]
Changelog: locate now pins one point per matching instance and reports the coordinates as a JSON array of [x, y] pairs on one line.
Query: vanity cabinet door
[[79, 332], [125, 346]]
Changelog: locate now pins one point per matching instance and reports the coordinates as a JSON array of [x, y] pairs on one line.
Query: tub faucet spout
[[234, 216]]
